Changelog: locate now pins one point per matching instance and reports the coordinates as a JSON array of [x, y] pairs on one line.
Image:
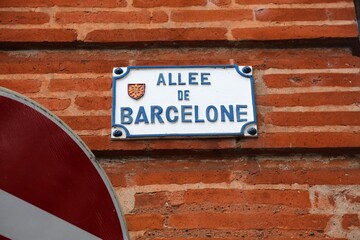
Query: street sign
[[51, 186], [186, 101]]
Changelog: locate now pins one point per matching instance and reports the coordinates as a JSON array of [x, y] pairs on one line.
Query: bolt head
[[252, 131], [119, 71], [246, 70], [117, 133]]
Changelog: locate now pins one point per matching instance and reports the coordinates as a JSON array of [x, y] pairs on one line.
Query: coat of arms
[[136, 91]]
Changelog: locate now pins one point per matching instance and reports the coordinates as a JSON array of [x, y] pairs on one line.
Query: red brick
[[117, 179], [324, 201], [103, 17], [295, 32], [80, 84], [192, 144], [54, 104], [211, 15], [288, 1], [303, 140], [298, 61], [93, 103], [23, 17], [310, 177], [150, 200], [63, 3], [304, 14], [203, 220], [142, 222], [38, 35], [352, 198], [312, 79], [221, 2], [292, 198], [309, 99], [341, 14], [22, 86], [313, 118], [182, 177], [160, 34], [166, 3], [350, 221], [29, 65], [88, 122], [294, 236], [159, 17], [104, 143]]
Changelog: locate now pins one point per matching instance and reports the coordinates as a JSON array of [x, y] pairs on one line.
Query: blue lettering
[[179, 80], [186, 94], [192, 78], [184, 113], [168, 118], [125, 115], [170, 80], [239, 113], [205, 79], [229, 113], [161, 80], [196, 110], [215, 113], [141, 116], [156, 112]]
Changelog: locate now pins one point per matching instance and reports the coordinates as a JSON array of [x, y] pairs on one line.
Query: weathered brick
[[300, 176], [80, 84], [117, 179], [352, 198], [165, 3], [192, 144], [303, 140], [350, 221], [324, 201], [21, 85], [313, 118], [211, 15], [304, 14], [288, 1], [142, 222], [293, 198], [206, 220], [104, 143], [309, 99], [88, 122], [295, 32], [103, 17], [182, 177], [54, 104], [63, 3], [159, 34], [93, 103], [312, 79], [159, 17], [221, 2], [38, 35], [150, 200], [23, 17]]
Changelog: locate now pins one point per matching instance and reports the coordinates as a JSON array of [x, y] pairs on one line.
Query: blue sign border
[[182, 135]]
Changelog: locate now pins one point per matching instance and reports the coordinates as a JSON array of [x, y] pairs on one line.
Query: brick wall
[[300, 179]]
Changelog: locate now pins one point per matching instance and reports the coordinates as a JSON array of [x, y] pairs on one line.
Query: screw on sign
[[51, 187]]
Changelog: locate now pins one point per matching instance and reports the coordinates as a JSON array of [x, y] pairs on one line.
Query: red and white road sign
[[51, 187]]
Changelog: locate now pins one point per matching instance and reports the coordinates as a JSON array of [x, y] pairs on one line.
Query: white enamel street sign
[[183, 101]]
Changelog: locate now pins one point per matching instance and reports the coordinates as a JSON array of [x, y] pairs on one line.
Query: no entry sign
[[51, 186]]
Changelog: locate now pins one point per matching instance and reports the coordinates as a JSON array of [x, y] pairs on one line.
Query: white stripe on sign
[[20, 220]]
